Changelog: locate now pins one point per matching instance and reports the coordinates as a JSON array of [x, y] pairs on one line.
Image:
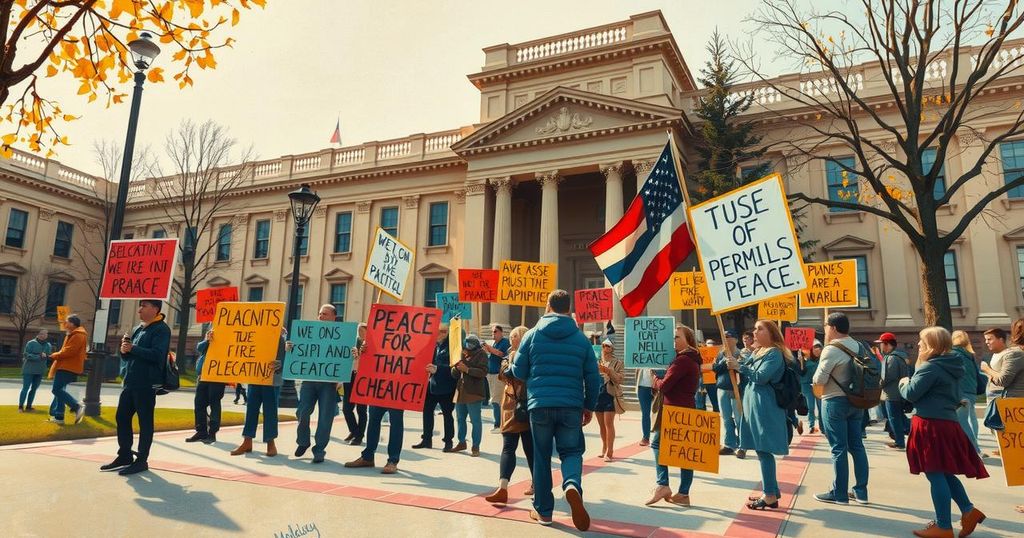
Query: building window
[[343, 232], [1012, 155], [62, 241], [224, 243], [304, 239], [159, 233], [255, 294], [438, 224], [952, 278], [863, 283], [54, 298], [431, 287], [389, 220], [114, 316], [338, 294], [8, 287], [927, 163], [262, 247], [842, 186], [17, 224], [298, 302], [754, 171]]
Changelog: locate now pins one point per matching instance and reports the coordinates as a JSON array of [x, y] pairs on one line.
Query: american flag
[[639, 253], [336, 137]]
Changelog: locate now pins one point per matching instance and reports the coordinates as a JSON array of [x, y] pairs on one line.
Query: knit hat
[[607, 342], [472, 343]]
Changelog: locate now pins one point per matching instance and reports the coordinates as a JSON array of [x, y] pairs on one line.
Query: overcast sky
[[386, 68]]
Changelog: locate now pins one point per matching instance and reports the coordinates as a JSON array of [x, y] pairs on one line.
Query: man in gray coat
[[33, 367]]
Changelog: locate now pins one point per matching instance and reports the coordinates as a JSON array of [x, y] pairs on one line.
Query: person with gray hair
[[320, 394], [68, 364], [33, 367]]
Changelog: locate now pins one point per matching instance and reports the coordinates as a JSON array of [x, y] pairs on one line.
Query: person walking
[[470, 375], [496, 353], [645, 397], [965, 413], [33, 366], [320, 394], [995, 341], [726, 399], [938, 446], [68, 364], [440, 392], [265, 397], [558, 365], [144, 360], [894, 368], [678, 388], [514, 429], [609, 401], [355, 414], [808, 363], [208, 396]]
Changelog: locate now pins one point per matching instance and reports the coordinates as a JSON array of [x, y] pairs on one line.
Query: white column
[[472, 253], [502, 237], [613, 210], [549, 216]]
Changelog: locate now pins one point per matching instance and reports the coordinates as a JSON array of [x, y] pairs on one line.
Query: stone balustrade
[[54, 172]]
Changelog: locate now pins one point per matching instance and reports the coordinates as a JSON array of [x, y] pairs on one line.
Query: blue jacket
[[201, 348], [807, 371], [969, 382], [144, 364], [722, 379], [442, 381], [34, 363], [558, 364], [934, 388], [494, 361]]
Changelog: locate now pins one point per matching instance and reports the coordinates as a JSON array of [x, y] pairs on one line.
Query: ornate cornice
[[475, 189], [320, 212], [280, 215], [549, 179], [363, 206], [241, 219], [502, 185], [611, 168], [642, 166], [460, 196], [46, 214], [968, 138], [412, 201]]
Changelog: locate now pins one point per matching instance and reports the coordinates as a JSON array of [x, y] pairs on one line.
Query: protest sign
[[830, 284], [388, 264], [593, 305], [525, 283], [1011, 439], [690, 439], [455, 337], [798, 338], [747, 245], [778, 309], [650, 341], [688, 291], [207, 300], [321, 351], [478, 285], [598, 351], [400, 343], [246, 338], [451, 307], [62, 314], [708, 354], [139, 269]]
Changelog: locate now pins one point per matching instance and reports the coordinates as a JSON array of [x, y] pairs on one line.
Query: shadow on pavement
[[167, 500]]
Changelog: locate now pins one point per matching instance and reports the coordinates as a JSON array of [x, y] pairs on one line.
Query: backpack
[[787, 391], [864, 390], [172, 380]]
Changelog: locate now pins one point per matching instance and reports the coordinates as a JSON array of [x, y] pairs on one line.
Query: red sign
[[139, 269], [478, 285], [206, 301], [594, 305], [798, 338], [400, 343]]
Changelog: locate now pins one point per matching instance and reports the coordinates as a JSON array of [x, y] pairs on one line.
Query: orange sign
[[687, 290], [708, 354], [778, 309], [690, 438], [830, 285]]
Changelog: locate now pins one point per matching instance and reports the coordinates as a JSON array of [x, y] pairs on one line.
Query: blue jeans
[[661, 471], [266, 397], [813, 404], [29, 384], [842, 424], [61, 396], [561, 428], [897, 421], [769, 482], [968, 419], [646, 397], [396, 428], [730, 417], [324, 396], [473, 410], [946, 487]]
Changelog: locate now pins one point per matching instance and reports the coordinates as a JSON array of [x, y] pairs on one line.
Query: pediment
[[61, 276], [218, 281], [302, 278], [434, 269], [957, 241], [848, 243], [1014, 235], [12, 268], [566, 113], [337, 275], [256, 280]]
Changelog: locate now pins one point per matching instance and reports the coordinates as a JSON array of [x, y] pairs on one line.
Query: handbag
[[172, 380], [521, 414], [993, 420]]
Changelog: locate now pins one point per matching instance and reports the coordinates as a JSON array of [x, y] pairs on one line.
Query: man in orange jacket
[[68, 364]]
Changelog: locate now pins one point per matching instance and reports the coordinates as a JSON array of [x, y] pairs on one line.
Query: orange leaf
[[156, 74], [234, 17], [51, 71]]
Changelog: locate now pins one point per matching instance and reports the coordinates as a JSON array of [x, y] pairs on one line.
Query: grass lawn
[[32, 427]]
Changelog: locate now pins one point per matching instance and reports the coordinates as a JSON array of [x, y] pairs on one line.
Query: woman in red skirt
[[938, 446]]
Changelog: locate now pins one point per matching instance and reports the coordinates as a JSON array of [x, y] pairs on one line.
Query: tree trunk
[[184, 313], [934, 294]]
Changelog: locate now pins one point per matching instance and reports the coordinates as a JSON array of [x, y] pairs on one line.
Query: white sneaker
[[55, 421], [80, 414], [495, 430]]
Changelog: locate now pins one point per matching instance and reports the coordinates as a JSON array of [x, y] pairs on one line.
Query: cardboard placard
[[246, 337], [321, 351], [747, 245], [650, 341], [62, 314], [778, 309], [1011, 439], [207, 300], [708, 354], [478, 285], [799, 338], [526, 283], [690, 438], [688, 290], [400, 342], [455, 337], [831, 284], [594, 305], [452, 307], [389, 264], [139, 269]]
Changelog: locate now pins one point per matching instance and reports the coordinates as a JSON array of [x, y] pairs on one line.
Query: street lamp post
[[143, 51], [303, 201]]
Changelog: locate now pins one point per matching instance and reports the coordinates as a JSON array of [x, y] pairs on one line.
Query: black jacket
[[144, 364]]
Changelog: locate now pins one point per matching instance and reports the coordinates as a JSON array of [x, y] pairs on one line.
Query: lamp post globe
[[303, 201]]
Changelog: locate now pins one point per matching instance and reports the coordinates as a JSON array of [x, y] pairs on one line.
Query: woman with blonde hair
[[609, 402], [966, 414], [938, 446], [513, 428]]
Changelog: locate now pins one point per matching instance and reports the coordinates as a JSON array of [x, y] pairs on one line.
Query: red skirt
[[941, 446]]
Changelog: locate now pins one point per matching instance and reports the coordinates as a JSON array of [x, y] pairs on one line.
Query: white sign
[[747, 245], [389, 264]]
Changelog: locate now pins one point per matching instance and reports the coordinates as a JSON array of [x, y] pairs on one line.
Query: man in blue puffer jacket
[[559, 367]]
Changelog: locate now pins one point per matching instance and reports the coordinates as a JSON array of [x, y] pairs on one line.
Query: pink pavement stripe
[[310, 485], [356, 492], [409, 499]]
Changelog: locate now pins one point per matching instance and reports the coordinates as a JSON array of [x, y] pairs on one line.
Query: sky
[[384, 68]]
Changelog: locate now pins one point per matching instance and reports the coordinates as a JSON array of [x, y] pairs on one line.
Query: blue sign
[[452, 308], [650, 341], [321, 351]]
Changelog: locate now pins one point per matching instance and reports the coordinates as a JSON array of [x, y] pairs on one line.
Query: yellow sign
[[62, 314], [455, 338], [526, 283], [1011, 439], [830, 285], [688, 291], [246, 339], [708, 354], [689, 439], [778, 309]]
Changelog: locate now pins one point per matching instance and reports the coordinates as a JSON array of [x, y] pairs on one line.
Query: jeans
[[61, 396], [29, 384], [447, 407], [710, 396], [968, 419], [812, 404], [510, 442], [324, 396], [646, 397], [132, 402], [561, 428], [494, 399], [946, 487], [769, 482], [897, 421], [396, 428], [842, 424], [266, 397], [730, 417], [355, 415], [661, 471], [208, 395], [473, 410]]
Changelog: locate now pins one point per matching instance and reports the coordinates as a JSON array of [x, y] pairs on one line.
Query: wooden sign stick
[[733, 374]]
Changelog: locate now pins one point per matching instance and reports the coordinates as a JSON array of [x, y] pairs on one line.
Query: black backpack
[[172, 379], [787, 391], [864, 390]]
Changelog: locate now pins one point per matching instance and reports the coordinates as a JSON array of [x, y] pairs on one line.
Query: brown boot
[[271, 449], [499, 497], [933, 531], [243, 448], [969, 521]]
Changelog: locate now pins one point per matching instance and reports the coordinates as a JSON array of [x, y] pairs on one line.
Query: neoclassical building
[[568, 125]]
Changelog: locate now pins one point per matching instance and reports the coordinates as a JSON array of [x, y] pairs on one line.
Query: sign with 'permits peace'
[[389, 264]]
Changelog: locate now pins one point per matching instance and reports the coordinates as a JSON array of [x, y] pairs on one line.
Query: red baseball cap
[[886, 338]]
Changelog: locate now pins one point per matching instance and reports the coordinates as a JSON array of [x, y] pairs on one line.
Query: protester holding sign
[[68, 364], [264, 397], [321, 394], [727, 399], [440, 391], [208, 397], [515, 425], [496, 353], [470, 391], [609, 401], [807, 365]]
